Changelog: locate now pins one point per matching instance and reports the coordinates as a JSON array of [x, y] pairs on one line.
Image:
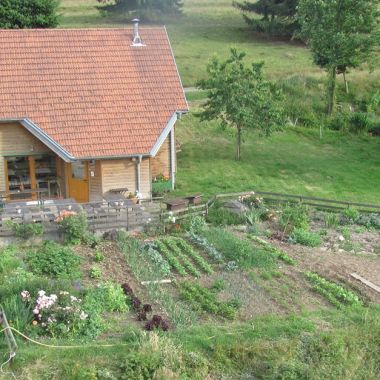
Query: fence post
[[127, 218]]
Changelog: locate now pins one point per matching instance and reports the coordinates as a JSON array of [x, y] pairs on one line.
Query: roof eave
[[43, 137]]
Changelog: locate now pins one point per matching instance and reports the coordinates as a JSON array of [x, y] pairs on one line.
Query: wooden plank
[[156, 282], [366, 282]]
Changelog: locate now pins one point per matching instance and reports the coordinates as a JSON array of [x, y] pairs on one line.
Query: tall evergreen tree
[[278, 16]]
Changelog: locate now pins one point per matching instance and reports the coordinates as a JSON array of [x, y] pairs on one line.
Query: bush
[[54, 260], [337, 122], [351, 214], [74, 228], [26, 230], [90, 240], [8, 259], [359, 122], [220, 216], [369, 220], [294, 216], [304, 237]]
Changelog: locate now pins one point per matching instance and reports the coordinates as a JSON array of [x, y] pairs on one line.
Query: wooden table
[[176, 204]]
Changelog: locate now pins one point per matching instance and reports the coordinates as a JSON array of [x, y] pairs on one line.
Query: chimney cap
[[137, 41]]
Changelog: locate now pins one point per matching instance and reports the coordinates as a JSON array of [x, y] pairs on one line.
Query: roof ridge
[[79, 29]]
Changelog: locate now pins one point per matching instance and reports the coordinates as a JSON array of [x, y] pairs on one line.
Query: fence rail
[[100, 217], [312, 201]]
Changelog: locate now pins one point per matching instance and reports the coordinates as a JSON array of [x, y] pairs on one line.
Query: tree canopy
[[240, 97], [341, 34], [20, 14], [278, 16], [142, 8]]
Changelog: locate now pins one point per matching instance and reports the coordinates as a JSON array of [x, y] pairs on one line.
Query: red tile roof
[[91, 91]]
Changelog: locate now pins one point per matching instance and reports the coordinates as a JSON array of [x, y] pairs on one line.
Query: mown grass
[[296, 161]]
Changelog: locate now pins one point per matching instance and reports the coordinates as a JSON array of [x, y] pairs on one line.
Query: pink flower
[[36, 311]]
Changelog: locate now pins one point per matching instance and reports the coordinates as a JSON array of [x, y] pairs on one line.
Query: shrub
[[107, 296], [304, 237], [338, 122], [8, 259], [60, 315], [369, 220], [90, 240], [351, 214], [26, 230], [220, 216], [195, 224], [74, 227], [359, 122], [294, 216], [54, 260]]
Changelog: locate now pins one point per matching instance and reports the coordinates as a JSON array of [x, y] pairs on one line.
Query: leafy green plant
[[156, 258], [294, 216], [171, 243], [18, 313], [202, 242], [54, 260], [331, 219], [74, 227], [26, 231], [95, 272], [99, 256], [90, 239], [198, 259], [172, 259], [239, 250], [352, 214], [218, 215], [335, 294], [8, 259], [203, 299], [304, 237], [107, 296]]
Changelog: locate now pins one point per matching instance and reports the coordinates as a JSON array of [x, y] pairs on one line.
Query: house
[[85, 111]]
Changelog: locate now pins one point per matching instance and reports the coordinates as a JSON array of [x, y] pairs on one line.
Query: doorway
[[78, 181]]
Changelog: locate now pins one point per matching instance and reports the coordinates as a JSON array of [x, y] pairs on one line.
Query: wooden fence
[[322, 203], [100, 217]]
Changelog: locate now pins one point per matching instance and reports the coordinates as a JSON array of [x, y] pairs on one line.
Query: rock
[[236, 207]]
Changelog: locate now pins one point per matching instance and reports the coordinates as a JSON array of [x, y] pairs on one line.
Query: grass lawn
[[340, 166]]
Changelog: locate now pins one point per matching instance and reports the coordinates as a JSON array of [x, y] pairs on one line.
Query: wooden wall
[[96, 190], [160, 164], [15, 140]]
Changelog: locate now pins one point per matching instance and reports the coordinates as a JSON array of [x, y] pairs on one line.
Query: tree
[[20, 14], [278, 16], [240, 97], [342, 34], [142, 8]]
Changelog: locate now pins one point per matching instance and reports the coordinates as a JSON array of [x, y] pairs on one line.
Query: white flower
[[41, 293], [36, 311], [73, 299], [53, 297], [173, 219], [25, 294], [83, 315]]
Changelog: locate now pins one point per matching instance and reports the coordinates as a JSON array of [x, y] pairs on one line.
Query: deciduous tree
[[20, 14], [240, 97], [342, 34]]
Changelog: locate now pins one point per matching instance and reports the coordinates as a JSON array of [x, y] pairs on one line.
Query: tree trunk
[[238, 143], [331, 90], [345, 82]]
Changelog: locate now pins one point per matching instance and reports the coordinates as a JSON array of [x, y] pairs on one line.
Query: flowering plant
[[56, 314], [161, 178], [250, 199]]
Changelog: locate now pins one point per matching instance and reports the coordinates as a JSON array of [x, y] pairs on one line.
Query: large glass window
[[32, 177]]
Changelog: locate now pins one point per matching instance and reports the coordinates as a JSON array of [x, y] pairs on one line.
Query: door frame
[[68, 174]]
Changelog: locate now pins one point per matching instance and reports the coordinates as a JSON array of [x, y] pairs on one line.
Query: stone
[[236, 207]]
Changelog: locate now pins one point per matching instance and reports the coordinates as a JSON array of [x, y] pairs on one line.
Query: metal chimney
[[136, 35]]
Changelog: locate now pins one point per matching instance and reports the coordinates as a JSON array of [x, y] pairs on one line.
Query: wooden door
[[78, 181]]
